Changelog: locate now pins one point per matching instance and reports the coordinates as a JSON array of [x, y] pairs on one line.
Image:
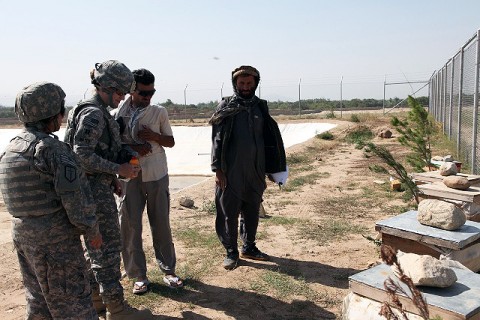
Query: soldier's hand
[[128, 171], [96, 241]]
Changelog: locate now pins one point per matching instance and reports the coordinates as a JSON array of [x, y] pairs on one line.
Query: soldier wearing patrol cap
[[94, 136], [47, 193]]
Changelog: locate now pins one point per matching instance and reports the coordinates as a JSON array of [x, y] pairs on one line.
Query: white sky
[[199, 42]]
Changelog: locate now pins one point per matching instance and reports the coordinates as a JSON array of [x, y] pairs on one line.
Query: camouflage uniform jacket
[[94, 136]]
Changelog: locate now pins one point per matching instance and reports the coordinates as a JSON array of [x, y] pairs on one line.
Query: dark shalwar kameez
[[245, 158]]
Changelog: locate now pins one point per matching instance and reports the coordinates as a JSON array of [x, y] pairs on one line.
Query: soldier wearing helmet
[[47, 193], [242, 125], [94, 136]]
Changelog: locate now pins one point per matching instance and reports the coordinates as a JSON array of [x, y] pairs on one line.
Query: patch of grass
[[282, 221], [285, 202], [377, 169], [283, 286], [330, 115], [297, 182], [330, 230], [208, 207], [340, 206], [354, 118], [359, 135], [303, 168], [325, 136], [193, 238], [296, 158]]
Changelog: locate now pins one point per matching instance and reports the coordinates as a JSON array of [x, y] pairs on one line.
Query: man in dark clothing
[[246, 145]]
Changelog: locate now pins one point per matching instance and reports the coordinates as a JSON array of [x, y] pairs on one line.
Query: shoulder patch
[[70, 173]]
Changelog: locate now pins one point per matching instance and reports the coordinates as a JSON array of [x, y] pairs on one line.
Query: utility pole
[[221, 92], [341, 97], [185, 100], [299, 99]]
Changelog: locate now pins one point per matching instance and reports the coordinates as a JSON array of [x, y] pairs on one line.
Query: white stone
[[440, 214], [425, 270], [448, 169], [457, 182], [356, 307]]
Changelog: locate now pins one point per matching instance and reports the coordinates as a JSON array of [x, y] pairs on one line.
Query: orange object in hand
[[134, 161]]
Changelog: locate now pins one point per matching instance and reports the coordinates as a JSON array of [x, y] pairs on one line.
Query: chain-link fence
[[453, 100]]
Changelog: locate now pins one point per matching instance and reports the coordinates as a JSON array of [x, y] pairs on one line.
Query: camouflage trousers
[[55, 280], [105, 273]]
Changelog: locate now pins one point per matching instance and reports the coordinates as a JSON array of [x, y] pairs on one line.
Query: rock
[[186, 202], [457, 182], [440, 214], [437, 158], [425, 270], [385, 133], [448, 158], [448, 169]]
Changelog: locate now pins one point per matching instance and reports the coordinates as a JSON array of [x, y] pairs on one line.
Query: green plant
[[416, 133], [359, 135], [330, 115], [400, 171], [354, 118], [325, 135], [209, 207]]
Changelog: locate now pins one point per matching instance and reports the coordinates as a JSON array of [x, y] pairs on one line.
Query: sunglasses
[[146, 93]]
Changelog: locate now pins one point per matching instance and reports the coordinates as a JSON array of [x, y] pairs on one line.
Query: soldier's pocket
[[67, 276]]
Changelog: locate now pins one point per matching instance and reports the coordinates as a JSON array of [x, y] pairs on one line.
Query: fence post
[[475, 107], [444, 99], [450, 112], [460, 101]]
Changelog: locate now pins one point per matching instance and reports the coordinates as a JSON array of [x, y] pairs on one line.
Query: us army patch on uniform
[[70, 173]]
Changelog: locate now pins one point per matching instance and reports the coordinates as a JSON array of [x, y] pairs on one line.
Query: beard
[[246, 94]]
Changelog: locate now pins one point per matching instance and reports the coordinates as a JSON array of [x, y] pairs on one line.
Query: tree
[[415, 133]]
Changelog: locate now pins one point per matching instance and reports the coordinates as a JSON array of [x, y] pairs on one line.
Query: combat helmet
[[113, 74], [39, 101]]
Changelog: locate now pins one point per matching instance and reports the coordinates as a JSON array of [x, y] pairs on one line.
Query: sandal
[[140, 287], [172, 281]]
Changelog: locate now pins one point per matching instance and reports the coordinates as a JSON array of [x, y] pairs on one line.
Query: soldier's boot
[[98, 302], [121, 310]]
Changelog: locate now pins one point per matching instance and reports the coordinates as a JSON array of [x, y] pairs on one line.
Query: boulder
[[425, 270], [457, 182], [440, 214], [448, 158], [448, 169], [386, 133], [186, 202]]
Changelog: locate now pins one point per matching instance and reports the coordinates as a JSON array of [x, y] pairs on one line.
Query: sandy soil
[[312, 276]]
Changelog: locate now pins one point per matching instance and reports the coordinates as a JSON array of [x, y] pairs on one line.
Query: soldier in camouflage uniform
[[94, 136], [47, 193]]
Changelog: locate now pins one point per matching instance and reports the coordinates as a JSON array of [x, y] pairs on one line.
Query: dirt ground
[[307, 277]]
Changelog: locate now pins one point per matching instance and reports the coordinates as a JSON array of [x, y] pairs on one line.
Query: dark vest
[[26, 191]]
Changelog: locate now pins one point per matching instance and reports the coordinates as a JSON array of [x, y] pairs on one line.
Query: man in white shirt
[[146, 129]]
